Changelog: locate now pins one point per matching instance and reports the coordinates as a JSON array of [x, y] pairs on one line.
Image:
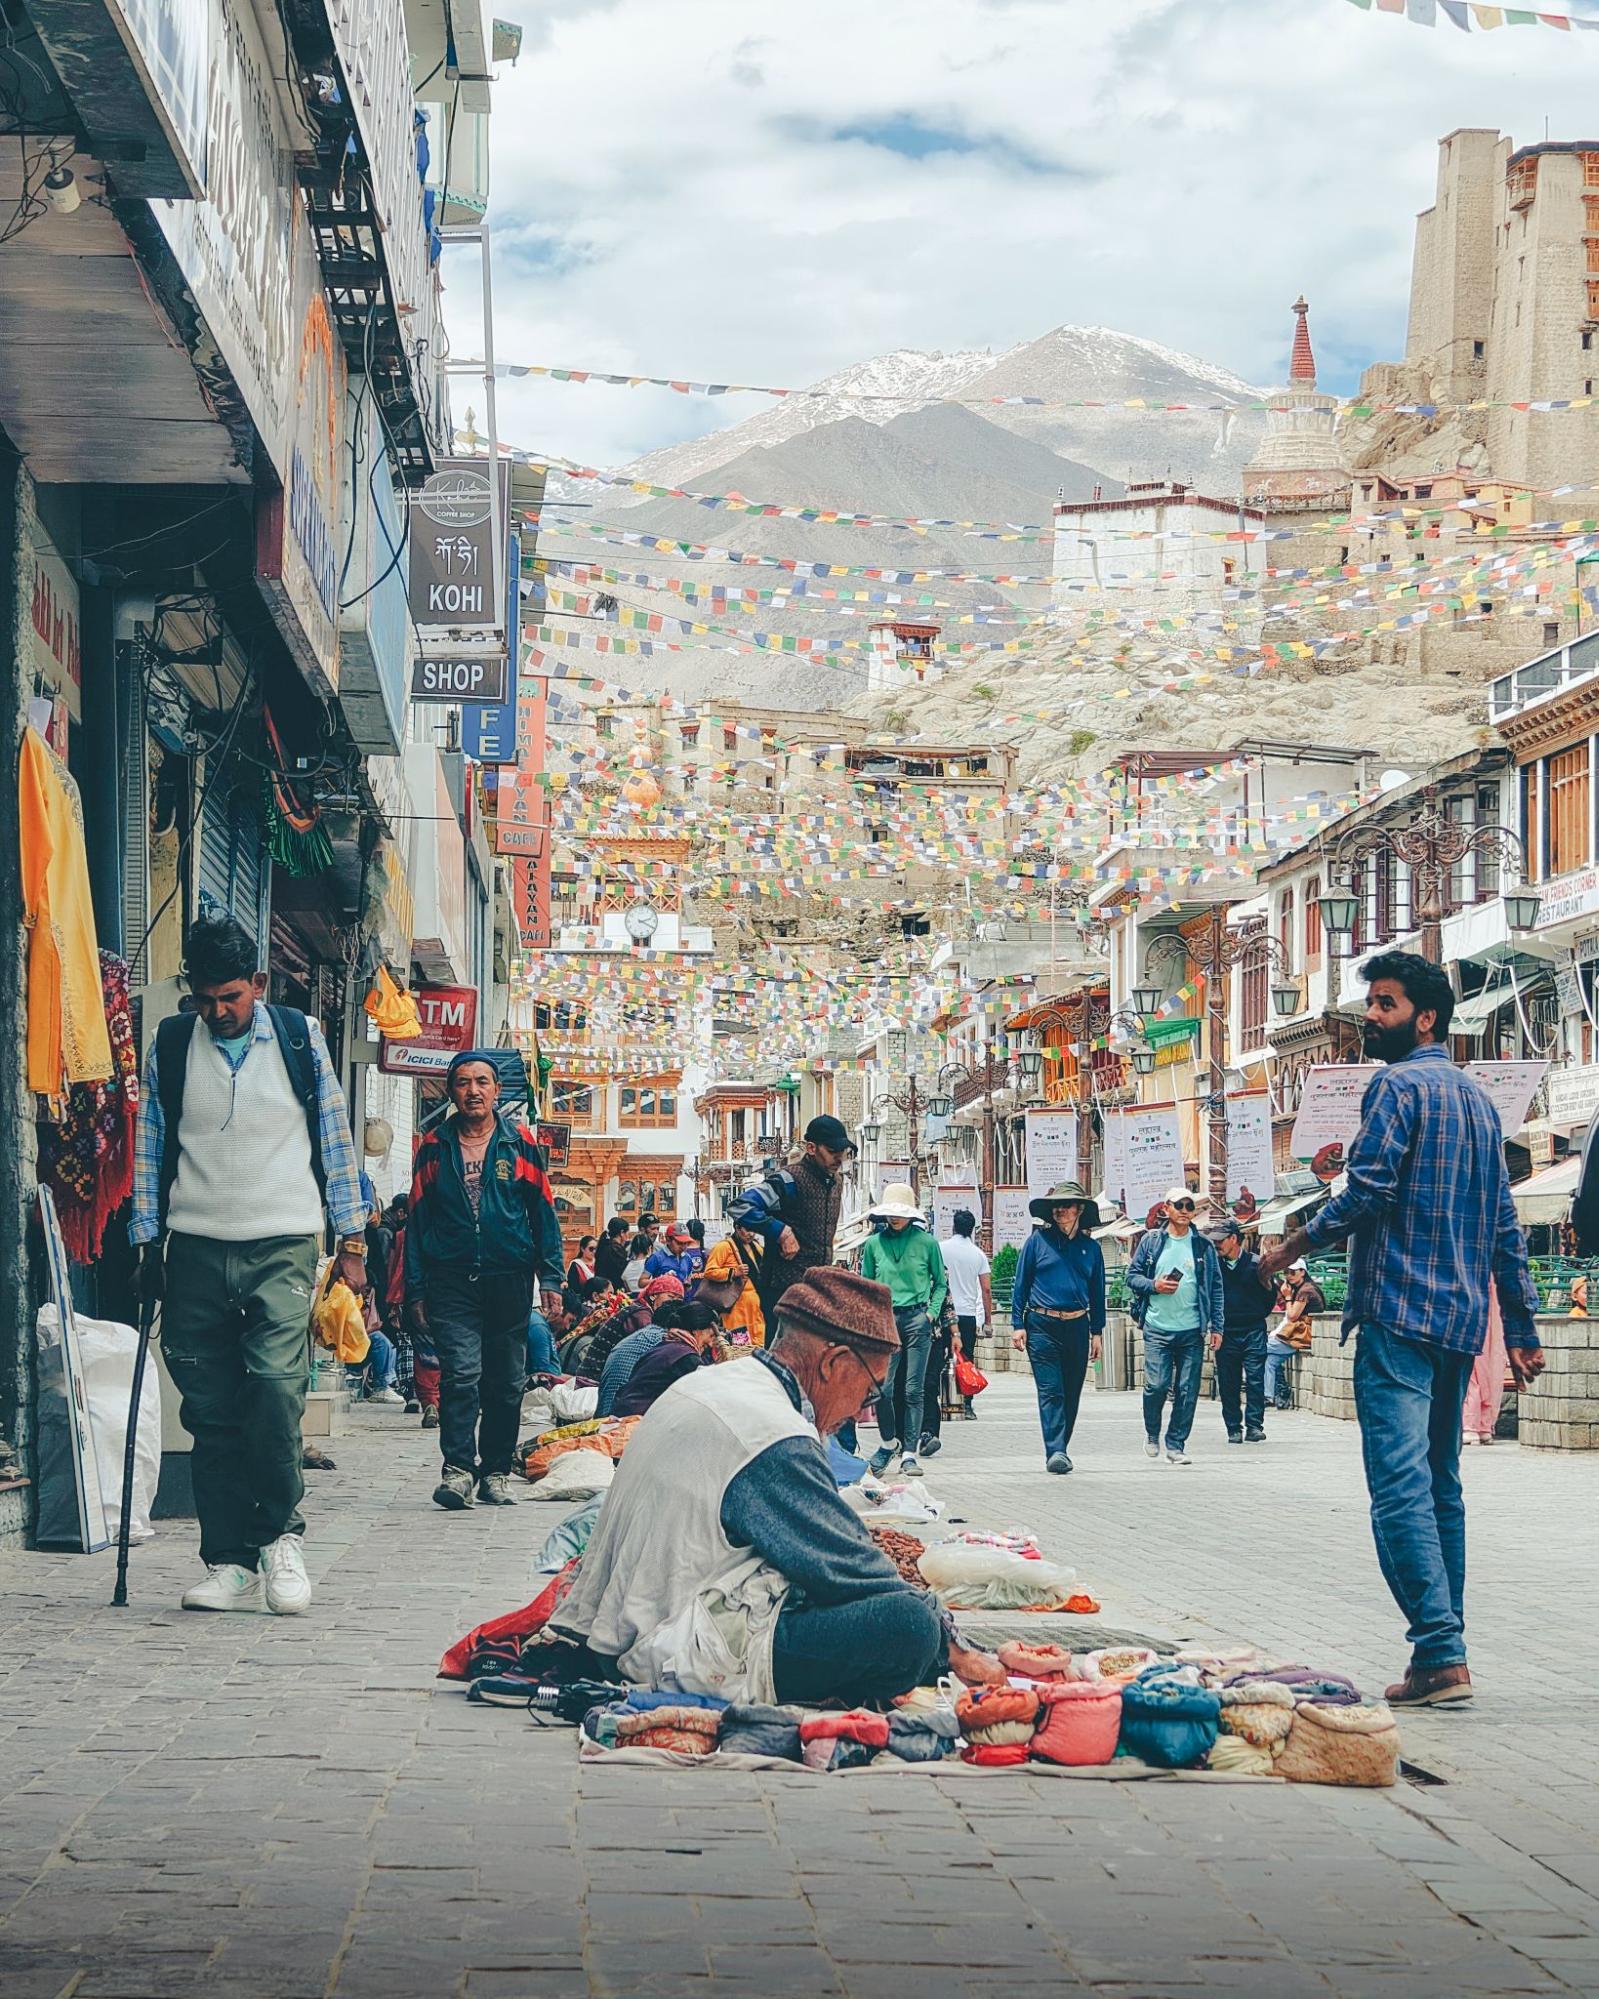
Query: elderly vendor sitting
[[724, 1560]]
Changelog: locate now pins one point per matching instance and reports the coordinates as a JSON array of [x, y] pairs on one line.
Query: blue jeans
[[1058, 1353], [1278, 1352], [1409, 1397], [379, 1363], [916, 1342], [541, 1355], [1172, 1364]]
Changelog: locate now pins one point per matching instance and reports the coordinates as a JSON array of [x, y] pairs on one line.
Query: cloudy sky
[[711, 189]]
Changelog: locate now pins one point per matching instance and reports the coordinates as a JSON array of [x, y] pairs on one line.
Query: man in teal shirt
[[1175, 1282], [904, 1256]]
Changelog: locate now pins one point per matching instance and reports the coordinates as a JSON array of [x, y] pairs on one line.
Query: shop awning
[[1274, 1217], [1472, 1015], [1547, 1196], [1120, 1231]]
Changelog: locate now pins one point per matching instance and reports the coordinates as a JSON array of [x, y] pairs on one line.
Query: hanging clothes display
[[67, 1037], [86, 1145]]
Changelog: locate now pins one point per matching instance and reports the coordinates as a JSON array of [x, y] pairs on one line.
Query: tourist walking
[[1058, 1310], [482, 1227], [1241, 1347], [794, 1210], [970, 1287], [1431, 1226], [1177, 1301], [243, 1148], [905, 1257]]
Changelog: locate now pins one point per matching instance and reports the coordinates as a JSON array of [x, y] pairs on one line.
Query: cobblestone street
[[294, 1807]]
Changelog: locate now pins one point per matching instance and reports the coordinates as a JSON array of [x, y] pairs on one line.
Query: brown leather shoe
[[1431, 1686]]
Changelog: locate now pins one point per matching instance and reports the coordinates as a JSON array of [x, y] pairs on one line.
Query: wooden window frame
[[633, 1119], [565, 1114], [1570, 809]]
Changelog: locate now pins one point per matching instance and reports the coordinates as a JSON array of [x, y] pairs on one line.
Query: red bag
[[969, 1377], [517, 1624]]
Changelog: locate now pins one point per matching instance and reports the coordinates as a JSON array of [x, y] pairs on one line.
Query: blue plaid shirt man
[[1428, 1211], [347, 1206]]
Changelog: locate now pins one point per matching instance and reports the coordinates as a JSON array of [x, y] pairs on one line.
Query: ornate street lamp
[[1522, 905], [1338, 912], [1030, 1064], [1143, 1059], [1146, 1001], [1285, 1000], [871, 1132]]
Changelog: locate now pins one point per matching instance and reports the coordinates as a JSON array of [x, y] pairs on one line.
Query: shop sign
[[1050, 1149], [298, 546], [1568, 897], [449, 1026], [488, 730], [452, 552], [1251, 1168], [512, 837], [370, 41], [53, 625], [170, 41], [1012, 1222], [1573, 1094], [1143, 1155], [235, 247], [472, 677]]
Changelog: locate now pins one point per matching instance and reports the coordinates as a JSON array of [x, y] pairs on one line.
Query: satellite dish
[[1392, 779]]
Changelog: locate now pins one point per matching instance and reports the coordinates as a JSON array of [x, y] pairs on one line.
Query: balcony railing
[[1550, 673]]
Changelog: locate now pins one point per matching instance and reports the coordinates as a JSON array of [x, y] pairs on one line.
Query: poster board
[[946, 1200], [1250, 1165], [96, 1527], [1050, 1148], [1012, 1223], [1512, 1085], [1143, 1155], [1329, 1106]]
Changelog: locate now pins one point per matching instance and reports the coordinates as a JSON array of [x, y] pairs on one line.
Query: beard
[[1389, 1044]]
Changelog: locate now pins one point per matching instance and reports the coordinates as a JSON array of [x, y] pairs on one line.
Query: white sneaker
[[227, 1586], [908, 1467], [1178, 1458], [1151, 1447], [388, 1398], [288, 1587]]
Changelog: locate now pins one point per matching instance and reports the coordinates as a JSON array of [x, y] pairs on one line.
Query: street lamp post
[[992, 1075], [1431, 847], [1214, 953], [914, 1103]]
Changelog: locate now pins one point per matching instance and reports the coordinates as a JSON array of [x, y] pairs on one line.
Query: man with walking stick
[[243, 1147]]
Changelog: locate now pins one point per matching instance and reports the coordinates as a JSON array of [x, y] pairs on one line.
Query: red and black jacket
[[515, 1228]]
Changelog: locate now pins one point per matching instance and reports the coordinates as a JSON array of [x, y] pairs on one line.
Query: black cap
[[829, 1131]]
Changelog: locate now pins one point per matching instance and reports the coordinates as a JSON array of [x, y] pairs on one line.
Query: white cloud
[[667, 198]]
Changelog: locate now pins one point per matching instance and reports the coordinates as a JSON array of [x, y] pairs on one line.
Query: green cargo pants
[[233, 1331]]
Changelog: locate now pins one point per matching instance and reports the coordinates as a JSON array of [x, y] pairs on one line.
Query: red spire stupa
[[1302, 368]]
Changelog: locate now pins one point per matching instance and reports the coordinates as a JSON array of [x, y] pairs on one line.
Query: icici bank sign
[[449, 1025]]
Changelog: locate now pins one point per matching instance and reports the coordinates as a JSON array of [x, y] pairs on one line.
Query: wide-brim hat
[[899, 1203], [837, 1305], [1066, 1193]]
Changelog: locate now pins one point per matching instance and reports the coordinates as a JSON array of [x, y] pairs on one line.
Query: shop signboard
[[449, 1026], [170, 42], [512, 837], [479, 677], [1050, 1148], [235, 247], [488, 730], [297, 538], [1568, 897], [1329, 1106], [529, 806], [947, 1200], [453, 570], [1512, 1085], [1573, 1095], [1250, 1166], [1012, 1223], [1143, 1155], [53, 646]]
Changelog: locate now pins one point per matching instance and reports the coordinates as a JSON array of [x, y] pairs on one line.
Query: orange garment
[[722, 1264], [67, 1037]]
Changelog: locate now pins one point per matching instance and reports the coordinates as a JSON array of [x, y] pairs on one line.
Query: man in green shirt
[[904, 1256]]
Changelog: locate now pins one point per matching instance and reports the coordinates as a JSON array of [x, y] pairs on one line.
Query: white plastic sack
[[892, 1505], [576, 1475], [106, 1349], [993, 1573], [571, 1404]]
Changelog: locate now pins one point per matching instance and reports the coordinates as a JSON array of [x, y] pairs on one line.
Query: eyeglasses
[[1184, 1204]]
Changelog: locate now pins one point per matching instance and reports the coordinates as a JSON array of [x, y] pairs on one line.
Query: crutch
[[119, 1596]]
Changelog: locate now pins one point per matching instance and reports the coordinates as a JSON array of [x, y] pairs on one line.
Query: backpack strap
[[293, 1031], [173, 1037]]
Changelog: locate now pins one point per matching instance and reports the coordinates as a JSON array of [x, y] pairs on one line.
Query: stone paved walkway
[[289, 1808]]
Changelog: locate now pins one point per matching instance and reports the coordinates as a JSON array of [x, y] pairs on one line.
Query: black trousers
[[939, 1356], [1241, 1361], [477, 1320], [867, 1650]]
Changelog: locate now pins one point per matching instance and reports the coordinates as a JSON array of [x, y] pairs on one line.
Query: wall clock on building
[[642, 922]]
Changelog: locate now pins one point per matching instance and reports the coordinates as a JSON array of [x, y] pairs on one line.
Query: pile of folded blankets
[[1238, 1716]]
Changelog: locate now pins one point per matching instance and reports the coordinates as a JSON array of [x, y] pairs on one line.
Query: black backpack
[[172, 1039]]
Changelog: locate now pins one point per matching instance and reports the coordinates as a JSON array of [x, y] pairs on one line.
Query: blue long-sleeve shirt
[[1062, 1274], [346, 1205], [1428, 1211]]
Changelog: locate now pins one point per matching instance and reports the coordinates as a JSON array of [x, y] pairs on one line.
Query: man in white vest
[[243, 1152], [724, 1560]]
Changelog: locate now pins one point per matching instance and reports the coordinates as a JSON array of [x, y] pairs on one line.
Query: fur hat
[[850, 1311]]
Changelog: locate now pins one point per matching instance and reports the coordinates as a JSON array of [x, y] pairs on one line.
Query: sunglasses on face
[[1188, 1205]]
